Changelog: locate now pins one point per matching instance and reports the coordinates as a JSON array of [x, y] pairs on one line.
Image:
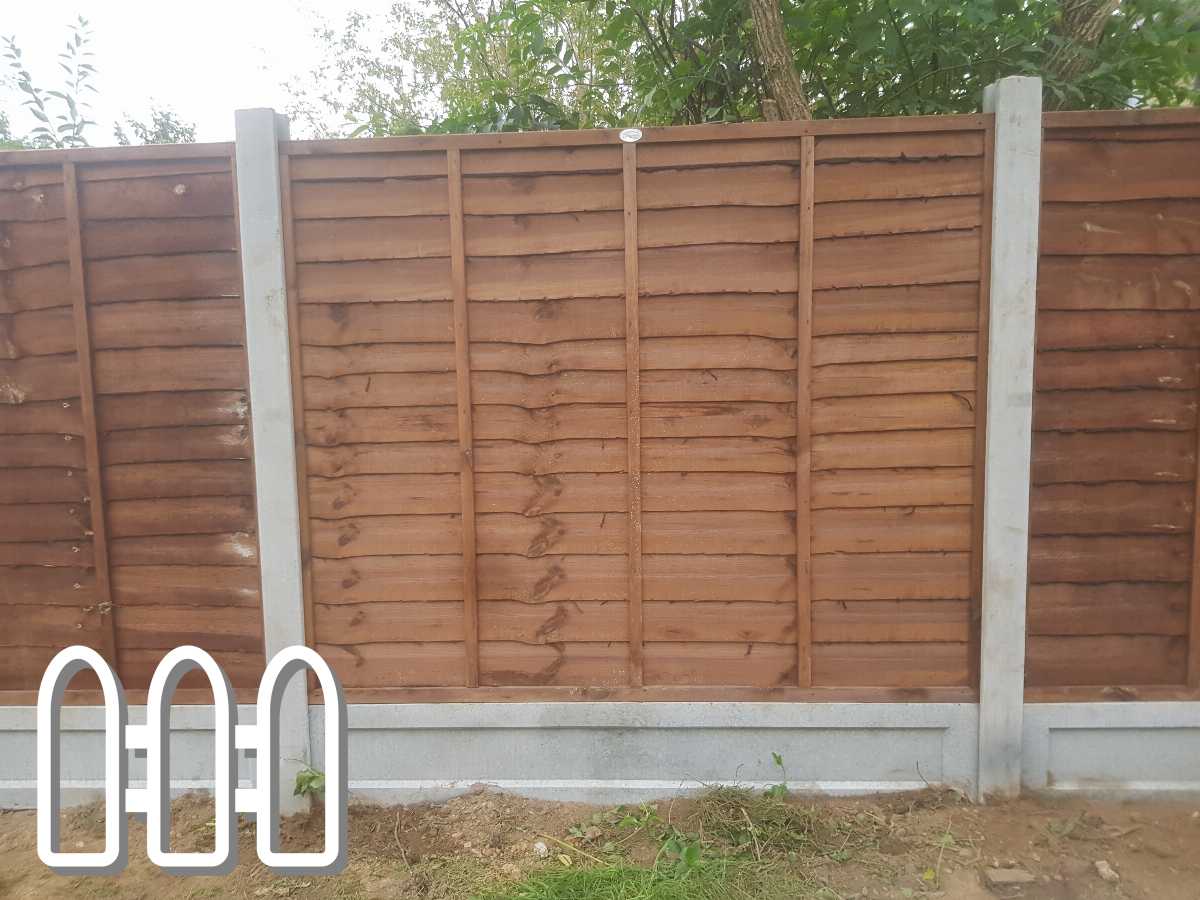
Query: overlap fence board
[[1112, 601], [649, 511], [125, 381]]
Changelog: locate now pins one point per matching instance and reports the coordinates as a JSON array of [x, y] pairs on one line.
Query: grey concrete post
[[1016, 192], [260, 215]]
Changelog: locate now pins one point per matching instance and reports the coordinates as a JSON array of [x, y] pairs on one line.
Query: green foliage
[[61, 114], [503, 65], [778, 791], [163, 127], [310, 782]]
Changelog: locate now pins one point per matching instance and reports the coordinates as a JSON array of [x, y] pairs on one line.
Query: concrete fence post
[[1016, 193], [260, 217]]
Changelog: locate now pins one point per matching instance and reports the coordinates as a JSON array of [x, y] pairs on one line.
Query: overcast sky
[[203, 60]]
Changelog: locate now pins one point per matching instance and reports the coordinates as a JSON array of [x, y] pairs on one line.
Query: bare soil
[[932, 844]]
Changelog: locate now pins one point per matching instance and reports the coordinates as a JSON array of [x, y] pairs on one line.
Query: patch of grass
[[716, 880], [770, 825]]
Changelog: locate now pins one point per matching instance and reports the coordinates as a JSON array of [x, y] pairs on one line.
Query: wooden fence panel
[[1112, 572], [619, 420], [127, 422]]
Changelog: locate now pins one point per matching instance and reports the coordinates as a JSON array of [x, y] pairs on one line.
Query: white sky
[[203, 60]]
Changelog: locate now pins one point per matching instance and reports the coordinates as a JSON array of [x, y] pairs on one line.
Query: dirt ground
[[932, 844]]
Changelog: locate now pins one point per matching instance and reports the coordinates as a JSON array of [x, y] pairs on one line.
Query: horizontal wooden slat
[[235, 549], [1116, 330], [40, 287], [1115, 170], [764, 315], [1105, 660], [547, 321], [373, 281], [757, 185], [894, 413], [369, 359], [889, 310], [42, 485], [1110, 558], [183, 515], [169, 369], [890, 621], [169, 196], [877, 217], [898, 179], [551, 622], [41, 585], [38, 378], [896, 259], [1118, 282], [59, 418], [549, 424], [767, 533], [719, 577], [764, 665], [386, 536], [357, 426], [523, 235], [554, 193], [830, 148], [50, 626], [551, 578], [366, 165], [44, 521], [165, 627], [340, 240], [420, 579], [1163, 226], [356, 199], [924, 376], [35, 450], [186, 585], [771, 623], [381, 622], [179, 323], [719, 454], [1082, 609], [25, 244], [186, 276], [541, 159], [1060, 457], [565, 275], [683, 420], [891, 576], [151, 445], [153, 237], [40, 332], [1075, 369], [755, 268], [1151, 410], [888, 449], [172, 410], [845, 349], [1113, 508], [362, 323], [244, 669], [594, 664], [891, 529], [890, 665], [725, 352], [37, 202], [397, 665], [208, 478], [373, 495], [855, 488]]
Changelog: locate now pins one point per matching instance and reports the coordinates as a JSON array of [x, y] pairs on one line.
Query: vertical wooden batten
[[466, 436], [804, 322], [87, 405], [633, 406]]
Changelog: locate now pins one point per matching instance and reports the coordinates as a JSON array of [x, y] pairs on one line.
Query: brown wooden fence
[[127, 519], [1112, 596], [698, 417], [693, 413]]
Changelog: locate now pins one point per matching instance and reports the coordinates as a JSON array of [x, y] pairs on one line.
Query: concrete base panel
[[597, 752]]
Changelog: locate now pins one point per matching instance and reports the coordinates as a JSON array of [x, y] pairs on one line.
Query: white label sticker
[[631, 135]]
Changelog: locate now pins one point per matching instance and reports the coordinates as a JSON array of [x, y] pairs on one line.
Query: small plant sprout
[[778, 791], [310, 782]]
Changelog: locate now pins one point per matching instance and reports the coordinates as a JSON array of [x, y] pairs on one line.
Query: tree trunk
[[783, 81], [1077, 30]]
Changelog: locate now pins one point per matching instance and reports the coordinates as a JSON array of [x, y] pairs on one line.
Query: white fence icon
[[153, 737]]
